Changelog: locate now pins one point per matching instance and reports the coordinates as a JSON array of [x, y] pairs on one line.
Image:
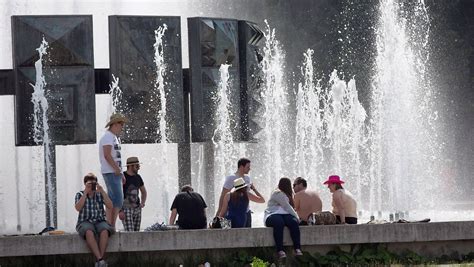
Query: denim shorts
[[114, 188], [96, 228]]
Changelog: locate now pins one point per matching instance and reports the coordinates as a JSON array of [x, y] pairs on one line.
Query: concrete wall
[[426, 239]]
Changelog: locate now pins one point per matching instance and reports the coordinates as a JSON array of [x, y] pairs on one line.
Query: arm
[[174, 212], [81, 201], [221, 199], [144, 195], [338, 201], [296, 199], [225, 204], [258, 198], [108, 157], [107, 200]]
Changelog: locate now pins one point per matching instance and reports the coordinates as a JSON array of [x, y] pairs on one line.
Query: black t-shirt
[[131, 190], [191, 210]]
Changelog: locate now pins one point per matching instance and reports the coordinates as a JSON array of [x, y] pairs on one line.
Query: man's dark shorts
[[96, 228]]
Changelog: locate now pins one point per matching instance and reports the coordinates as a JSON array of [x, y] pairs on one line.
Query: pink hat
[[334, 179]]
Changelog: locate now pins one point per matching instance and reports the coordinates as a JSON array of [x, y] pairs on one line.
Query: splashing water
[[309, 155], [159, 87], [160, 91], [274, 110], [41, 126], [403, 147], [115, 95], [222, 139]]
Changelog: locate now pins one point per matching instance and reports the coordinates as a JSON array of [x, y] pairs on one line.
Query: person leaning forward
[[243, 168], [191, 209], [91, 223]]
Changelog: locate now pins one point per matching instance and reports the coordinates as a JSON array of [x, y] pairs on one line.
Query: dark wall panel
[[212, 42], [250, 36], [132, 40], [68, 68]]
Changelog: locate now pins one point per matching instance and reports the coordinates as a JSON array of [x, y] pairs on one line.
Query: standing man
[[191, 209], [243, 168], [306, 202], [91, 220], [111, 164], [131, 213]]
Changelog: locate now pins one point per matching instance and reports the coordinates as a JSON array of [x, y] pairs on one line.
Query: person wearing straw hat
[[243, 168], [111, 164], [343, 203], [236, 202], [131, 213]]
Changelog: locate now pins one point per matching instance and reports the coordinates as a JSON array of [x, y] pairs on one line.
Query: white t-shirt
[[229, 181], [109, 139]]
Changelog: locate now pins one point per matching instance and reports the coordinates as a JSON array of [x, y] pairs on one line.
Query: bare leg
[[109, 215], [92, 244], [114, 214], [103, 240]]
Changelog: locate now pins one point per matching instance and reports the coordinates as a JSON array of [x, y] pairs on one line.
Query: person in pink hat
[[343, 203]]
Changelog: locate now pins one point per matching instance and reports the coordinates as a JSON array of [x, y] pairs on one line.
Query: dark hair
[[187, 188], [285, 186], [301, 180], [242, 162], [234, 196], [89, 177], [339, 186]]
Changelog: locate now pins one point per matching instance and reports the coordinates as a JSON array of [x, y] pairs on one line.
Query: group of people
[[96, 224], [289, 204]]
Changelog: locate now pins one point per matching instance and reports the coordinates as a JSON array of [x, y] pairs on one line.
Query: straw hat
[[132, 161], [334, 179], [116, 118], [239, 183]]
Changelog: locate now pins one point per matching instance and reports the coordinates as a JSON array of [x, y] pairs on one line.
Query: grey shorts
[[96, 228]]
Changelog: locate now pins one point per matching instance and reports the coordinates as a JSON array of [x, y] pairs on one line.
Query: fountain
[[224, 148], [386, 142], [41, 135]]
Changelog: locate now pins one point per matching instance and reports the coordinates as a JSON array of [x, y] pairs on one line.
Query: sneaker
[[101, 263], [298, 252], [281, 254]]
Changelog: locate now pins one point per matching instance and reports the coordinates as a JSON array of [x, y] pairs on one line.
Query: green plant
[[256, 262]]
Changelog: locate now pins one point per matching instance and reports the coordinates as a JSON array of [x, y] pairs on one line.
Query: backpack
[[322, 218]]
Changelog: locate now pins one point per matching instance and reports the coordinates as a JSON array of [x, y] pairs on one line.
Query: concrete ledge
[[410, 234]]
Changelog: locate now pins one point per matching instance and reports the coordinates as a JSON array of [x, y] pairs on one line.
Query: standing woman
[[236, 203], [343, 203], [280, 213]]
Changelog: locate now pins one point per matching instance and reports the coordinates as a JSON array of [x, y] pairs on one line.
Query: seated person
[[236, 203], [280, 213], [191, 209], [343, 203], [91, 222], [306, 201]]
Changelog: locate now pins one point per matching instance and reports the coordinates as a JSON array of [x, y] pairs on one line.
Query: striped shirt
[[93, 210]]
